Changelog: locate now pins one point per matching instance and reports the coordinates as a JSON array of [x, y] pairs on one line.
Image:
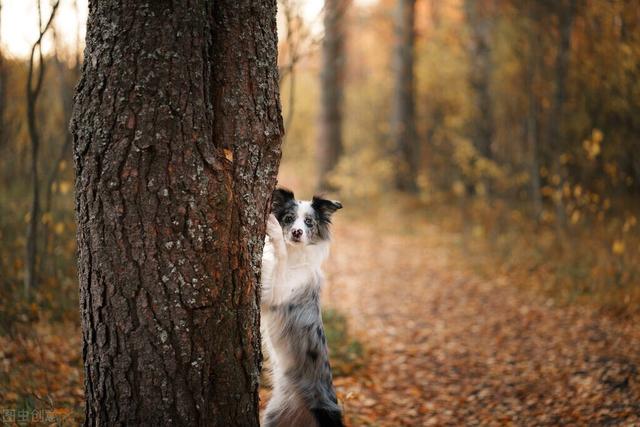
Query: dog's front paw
[[274, 230]]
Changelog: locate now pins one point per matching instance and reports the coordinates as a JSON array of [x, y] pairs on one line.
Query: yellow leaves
[[592, 146], [577, 191], [481, 189], [64, 187], [547, 191], [47, 218], [458, 188], [629, 223], [59, 228], [618, 247], [611, 169], [575, 217]]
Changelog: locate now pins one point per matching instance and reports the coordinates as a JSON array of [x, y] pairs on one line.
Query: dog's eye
[[308, 222], [288, 219]]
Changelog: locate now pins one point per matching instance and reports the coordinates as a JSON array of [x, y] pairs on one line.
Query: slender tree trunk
[[567, 11], [330, 146], [532, 124], [3, 84], [66, 78], [403, 121], [534, 164], [177, 131], [479, 18], [33, 93]]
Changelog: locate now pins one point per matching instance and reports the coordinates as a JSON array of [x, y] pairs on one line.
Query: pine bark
[[177, 131], [330, 146], [403, 120]]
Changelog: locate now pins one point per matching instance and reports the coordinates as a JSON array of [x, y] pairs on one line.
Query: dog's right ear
[[280, 198]]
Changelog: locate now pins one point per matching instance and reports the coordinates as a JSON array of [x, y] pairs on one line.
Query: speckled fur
[[303, 393]]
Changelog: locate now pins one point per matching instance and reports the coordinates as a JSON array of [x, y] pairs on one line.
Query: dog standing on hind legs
[[297, 244]]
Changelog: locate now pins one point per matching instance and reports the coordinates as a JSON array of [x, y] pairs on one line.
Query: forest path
[[447, 348]]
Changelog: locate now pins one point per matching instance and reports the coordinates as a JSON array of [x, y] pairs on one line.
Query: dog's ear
[[280, 198], [325, 207]]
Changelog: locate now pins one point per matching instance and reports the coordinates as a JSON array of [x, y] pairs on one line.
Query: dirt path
[[446, 348]]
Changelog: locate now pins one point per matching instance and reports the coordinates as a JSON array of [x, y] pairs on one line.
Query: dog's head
[[303, 222]]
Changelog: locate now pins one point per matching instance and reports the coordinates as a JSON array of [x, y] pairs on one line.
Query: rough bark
[[177, 131], [329, 145], [403, 121], [480, 25]]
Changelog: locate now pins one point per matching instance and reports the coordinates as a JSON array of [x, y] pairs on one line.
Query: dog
[[296, 245]]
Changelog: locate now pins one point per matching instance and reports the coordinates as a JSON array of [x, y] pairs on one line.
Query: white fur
[[287, 265]]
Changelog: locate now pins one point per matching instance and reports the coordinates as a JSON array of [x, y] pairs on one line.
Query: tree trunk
[[482, 125], [566, 13], [532, 124], [332, 90], [33, 93], [177, 131], [3, 84], [403, 123]]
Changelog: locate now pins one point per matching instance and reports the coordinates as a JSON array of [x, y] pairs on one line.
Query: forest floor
[[430, 342], [443, 346]]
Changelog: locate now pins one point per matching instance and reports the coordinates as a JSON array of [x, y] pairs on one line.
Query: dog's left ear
[[325, 207]]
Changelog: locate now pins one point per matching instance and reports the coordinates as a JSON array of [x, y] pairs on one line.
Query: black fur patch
[[323, 209], [327, 418], [283, 202]]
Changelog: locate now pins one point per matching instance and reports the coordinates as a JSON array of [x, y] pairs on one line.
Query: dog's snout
[[296, 232]]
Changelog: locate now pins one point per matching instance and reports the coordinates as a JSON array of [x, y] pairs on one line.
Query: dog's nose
[[297, 233]]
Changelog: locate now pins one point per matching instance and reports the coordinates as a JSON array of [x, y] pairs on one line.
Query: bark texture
[[177, 131], [330, 145], [403, 121]]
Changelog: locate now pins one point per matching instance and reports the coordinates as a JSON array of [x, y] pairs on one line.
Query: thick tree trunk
[[332, 90], [482, 125], [403, 122], [177, 131]]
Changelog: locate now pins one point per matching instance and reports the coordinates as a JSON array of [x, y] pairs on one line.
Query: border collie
[[297, 243]]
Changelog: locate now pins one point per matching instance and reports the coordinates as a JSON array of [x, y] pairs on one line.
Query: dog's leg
[[272, 292]]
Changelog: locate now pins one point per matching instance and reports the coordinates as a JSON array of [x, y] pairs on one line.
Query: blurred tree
[[479, 15], [566, 10], [3, 82], [33, 92], [329, 143], [403, 125], [177, 131], [532, 62]]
